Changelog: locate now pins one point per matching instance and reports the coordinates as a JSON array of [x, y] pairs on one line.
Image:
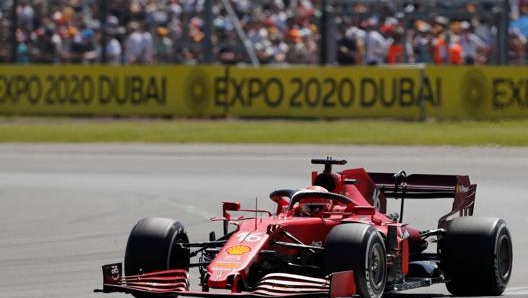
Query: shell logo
[[238, 250]]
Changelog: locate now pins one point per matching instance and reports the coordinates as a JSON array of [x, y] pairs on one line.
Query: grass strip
[[359, 132]]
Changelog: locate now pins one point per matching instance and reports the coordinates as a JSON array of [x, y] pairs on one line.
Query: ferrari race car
[[333, 238]]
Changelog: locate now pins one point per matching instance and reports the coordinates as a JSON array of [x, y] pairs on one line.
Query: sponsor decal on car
[[238, 250]]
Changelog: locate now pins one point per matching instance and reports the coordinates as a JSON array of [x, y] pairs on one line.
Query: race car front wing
[[175, 282]]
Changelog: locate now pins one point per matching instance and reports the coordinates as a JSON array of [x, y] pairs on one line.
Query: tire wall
[[397, 92]]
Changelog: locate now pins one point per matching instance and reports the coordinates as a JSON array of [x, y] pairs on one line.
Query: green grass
[[360, 132]]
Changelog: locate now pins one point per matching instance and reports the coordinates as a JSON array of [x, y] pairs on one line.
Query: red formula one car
[[330, 239]]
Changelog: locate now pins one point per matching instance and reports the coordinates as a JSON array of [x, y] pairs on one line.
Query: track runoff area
[[398, 92]]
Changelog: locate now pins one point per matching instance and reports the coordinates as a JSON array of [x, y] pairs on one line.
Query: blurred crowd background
[[347, 32]]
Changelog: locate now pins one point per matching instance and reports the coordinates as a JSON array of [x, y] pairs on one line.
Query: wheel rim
[[377, 266], [172, 253], [504, 256]]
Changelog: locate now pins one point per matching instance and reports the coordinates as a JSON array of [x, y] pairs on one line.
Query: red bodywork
[[245, 264]]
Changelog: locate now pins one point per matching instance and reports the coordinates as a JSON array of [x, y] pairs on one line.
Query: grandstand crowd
[[277, 31]]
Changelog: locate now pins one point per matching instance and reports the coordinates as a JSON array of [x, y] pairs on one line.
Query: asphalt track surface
[[67, 209]]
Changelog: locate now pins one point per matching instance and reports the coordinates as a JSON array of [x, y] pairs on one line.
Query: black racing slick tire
[[358, 247], [476, 256], [153, 246]]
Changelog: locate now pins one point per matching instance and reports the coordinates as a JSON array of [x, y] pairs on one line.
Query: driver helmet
[[315, 206]]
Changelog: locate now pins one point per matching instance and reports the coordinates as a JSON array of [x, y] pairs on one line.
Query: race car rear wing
[[429, 186]]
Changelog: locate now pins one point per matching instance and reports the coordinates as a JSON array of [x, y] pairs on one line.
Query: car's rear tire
[[358, 247], [476, 256], [152, 246]]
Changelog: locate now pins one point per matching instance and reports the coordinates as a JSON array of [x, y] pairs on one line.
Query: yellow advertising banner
[[481, 92], [402, 92], [327, 92], [108, 90]]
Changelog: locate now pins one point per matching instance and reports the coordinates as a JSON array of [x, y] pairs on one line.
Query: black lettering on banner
[[34, 84], [50, 96], [507, 92], [326, 92], [74, 89], [221, 91], [312, 92], [63, 89], [87, 89], [238, 87], [151, 92], [121, 94], [8, 89], [298, 90], [268, 87], [343, 100], [20, 88], [12, 89], [136, 85], [4, 87], [499, 93], [105, 90], [429, 94], [327, 97], [134, 90], [255, 89], [517, 92], [383, 95], [407, 92], [368, 84], [155, 89], [82, 89]]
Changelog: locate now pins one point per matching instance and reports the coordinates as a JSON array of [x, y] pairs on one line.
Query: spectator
[[422, 43], [517, 42], [298, 52], [26, 15], [375, 44], [227, 47], [398, 49], [22, 50], [133, 44], [279, 47], [348, 52], [446, 49], [312, 47], [147, 46], [111, 41], [113, 49], [473, 47], [83, 48], [163, 46], [43, 51]]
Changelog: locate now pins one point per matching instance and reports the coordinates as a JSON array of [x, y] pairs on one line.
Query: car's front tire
[[358, 247], [152, 246], [476, 256]]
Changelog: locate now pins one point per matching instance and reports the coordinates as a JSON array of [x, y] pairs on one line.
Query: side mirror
[[230, 206]]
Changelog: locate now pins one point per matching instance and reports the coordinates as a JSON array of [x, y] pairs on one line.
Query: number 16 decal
[[249, 237]]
